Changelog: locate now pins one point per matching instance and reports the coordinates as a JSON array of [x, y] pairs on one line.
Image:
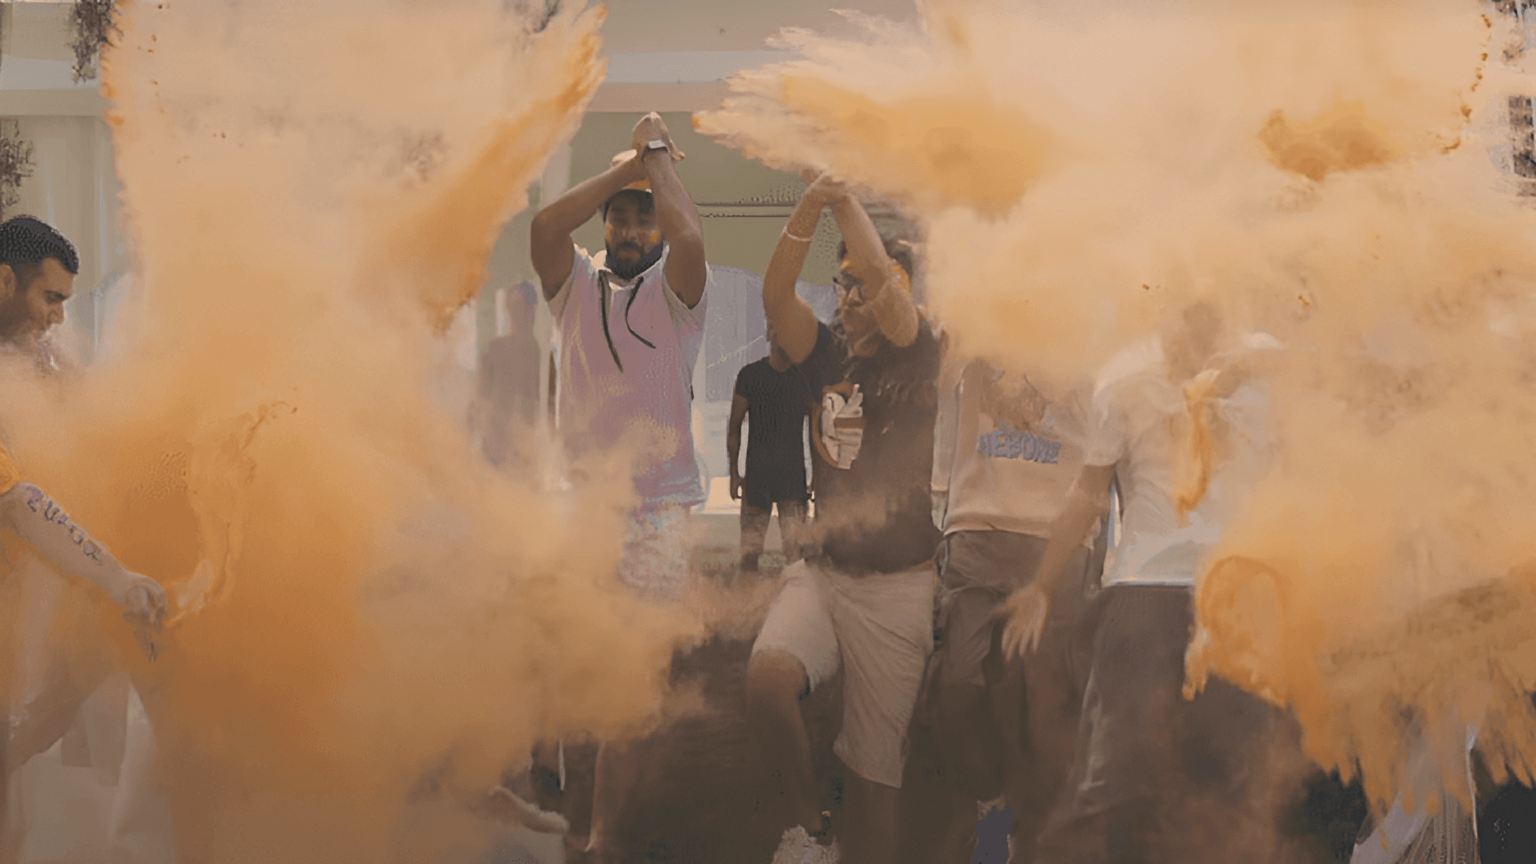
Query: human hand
[[144, 608], [1024, 610], [652, 128], [736, 483], [826, 189], [629, 166], [143, 601]]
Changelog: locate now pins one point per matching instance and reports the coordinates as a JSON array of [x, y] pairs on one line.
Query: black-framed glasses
[[847, 284]]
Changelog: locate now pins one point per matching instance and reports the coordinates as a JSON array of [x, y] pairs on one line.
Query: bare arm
[[550, 244], [1088, 500], [675, 213], [733, 440], [1026, 608], [894, 311], [790, 316], [48, 529]]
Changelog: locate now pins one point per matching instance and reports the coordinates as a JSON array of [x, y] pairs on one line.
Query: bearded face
[[631, 234]]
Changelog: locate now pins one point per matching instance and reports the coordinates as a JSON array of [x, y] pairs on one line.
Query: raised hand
[[652, 128], [826, 189]]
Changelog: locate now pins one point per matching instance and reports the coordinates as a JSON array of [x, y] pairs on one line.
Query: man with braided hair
[[37, 273], [631, 324]]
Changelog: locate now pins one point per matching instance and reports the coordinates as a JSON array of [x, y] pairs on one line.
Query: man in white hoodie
[[1005, 459]]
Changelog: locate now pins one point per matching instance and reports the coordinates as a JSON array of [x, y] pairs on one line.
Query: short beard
[[630, 271]]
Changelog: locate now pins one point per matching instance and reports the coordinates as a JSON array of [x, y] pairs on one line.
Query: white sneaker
[[798, 847]]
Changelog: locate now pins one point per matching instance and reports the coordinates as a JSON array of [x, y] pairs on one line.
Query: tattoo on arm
[[38, 502]]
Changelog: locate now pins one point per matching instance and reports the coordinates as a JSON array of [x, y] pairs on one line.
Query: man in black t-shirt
[[865, 601], [776, 397]]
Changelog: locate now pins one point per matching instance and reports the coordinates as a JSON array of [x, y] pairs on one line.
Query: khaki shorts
[[880, 628]]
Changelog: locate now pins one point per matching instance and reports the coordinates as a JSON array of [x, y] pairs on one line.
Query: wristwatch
[[654, 144]]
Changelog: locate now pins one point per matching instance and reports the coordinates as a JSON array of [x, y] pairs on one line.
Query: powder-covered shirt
[[1139, 423], [1004, 479], [876, 516], [617, 389]]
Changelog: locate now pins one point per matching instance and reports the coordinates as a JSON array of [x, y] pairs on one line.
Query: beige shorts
[[880, 627]]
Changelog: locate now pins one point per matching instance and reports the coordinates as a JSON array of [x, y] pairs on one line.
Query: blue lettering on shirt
[[1008, 443]]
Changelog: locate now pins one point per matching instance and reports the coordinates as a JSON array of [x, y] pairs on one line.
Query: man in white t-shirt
[[1156, 777], [1005, 728], [630, 323]]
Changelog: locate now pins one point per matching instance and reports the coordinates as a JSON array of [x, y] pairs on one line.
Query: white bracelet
[[786, 233]]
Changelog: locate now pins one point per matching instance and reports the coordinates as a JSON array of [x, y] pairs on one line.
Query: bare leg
[[792, 516], [754, 533], [776, 681], [869, 834]]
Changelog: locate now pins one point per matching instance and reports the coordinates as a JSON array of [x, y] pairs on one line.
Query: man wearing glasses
[[866, 600]]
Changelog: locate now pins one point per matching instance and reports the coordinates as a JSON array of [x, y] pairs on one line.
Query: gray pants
[[1155, 777], [1007, 727]]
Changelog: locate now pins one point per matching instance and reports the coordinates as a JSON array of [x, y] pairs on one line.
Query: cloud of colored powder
[[1319, 171], [311, 190]]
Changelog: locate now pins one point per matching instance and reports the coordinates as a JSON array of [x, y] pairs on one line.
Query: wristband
[[795, 237]]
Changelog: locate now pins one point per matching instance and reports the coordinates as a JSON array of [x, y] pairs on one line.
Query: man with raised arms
[[866, 600], [631, 323]]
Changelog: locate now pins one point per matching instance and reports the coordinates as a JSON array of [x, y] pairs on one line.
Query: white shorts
[[658, 552], [881, 627]]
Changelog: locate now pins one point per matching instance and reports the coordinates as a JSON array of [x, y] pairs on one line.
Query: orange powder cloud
[[1319, 171], [310, 192]]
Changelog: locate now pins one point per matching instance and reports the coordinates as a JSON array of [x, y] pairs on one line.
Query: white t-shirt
[[1003, 479], [647, 403], [1136, 423]]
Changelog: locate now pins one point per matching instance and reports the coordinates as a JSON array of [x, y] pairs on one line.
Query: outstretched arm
[[1026, 608], [48, 529], [675, 213]]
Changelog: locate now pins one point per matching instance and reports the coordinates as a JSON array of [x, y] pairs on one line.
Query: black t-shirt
[[876, 516], [777, 404]]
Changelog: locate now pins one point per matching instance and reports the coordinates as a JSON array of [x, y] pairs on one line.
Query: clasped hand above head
[[823, 187], [652, 128]]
